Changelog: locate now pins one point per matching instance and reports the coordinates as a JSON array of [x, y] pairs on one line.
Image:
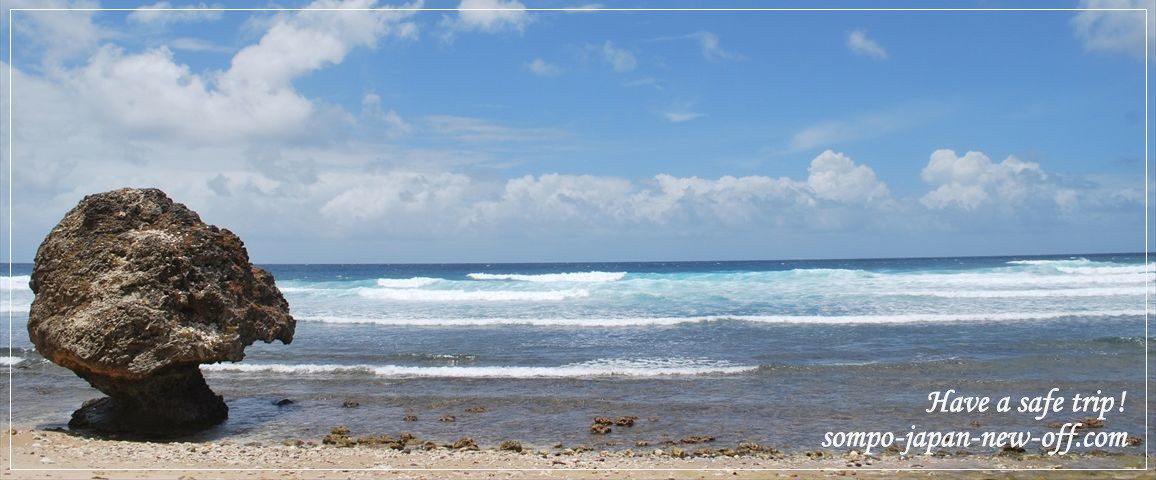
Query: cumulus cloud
[[406, 199], [968, 182], [835, 181], [1115, 31], [151, 92], [553, 199], [833, 176], [491, 16], [619, 59], [860, 44], [161, 14], [123, 117], [543, 68]]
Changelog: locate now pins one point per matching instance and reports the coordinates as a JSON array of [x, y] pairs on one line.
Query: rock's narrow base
[[174, 402]]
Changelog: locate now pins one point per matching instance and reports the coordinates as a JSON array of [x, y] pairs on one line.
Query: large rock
[[133, 292]]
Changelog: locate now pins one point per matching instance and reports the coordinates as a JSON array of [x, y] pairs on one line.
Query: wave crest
[[415, 295], [668, 321], [1034, 293], [415, 282], [574, 277], [1083, 266], [15, 282], [658, 367]]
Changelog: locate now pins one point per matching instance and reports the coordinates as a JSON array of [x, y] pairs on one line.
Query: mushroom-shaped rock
[[133, 292]]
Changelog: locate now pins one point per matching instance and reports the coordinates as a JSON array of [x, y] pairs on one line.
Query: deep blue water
[[772, 351]]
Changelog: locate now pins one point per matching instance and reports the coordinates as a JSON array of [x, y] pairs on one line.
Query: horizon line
[[812, 259]]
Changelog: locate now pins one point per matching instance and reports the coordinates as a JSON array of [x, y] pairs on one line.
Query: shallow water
[[774, 352]]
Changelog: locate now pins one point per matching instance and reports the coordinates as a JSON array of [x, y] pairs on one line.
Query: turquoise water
[[772, 351]]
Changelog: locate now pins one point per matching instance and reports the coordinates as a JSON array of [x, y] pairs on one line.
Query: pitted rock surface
[[133, 291]]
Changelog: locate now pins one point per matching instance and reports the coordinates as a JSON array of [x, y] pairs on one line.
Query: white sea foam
[[1111, 270], [303, 289], [6, 307], [10, 360], [1118, 275], [416, 295], [415, 282], [15, 282], [1062, 292], [1069, 261], [576, 277], [1084, 266], [594, 368], [661, 321]]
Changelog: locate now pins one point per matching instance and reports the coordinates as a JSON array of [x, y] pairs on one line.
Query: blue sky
[[515, 135]]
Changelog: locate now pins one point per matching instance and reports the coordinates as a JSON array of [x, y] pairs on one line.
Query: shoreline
[[46, 452]]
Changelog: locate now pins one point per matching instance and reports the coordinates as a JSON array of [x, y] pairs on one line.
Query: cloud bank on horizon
[[393, 134]]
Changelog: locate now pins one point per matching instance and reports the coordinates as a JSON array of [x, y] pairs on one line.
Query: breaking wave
[[415, 282], [786, 319], [610, 367], [576, 277], [415, 295], [15, 282], [1064, 292]]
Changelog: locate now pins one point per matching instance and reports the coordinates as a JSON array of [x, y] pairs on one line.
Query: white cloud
[[394, 125], [141, 118], [833, 176], [681, 111], [609, 202], [860, 44], [644, 82], [359, 198], [159, 14], [196, 45], [552, 199], [543, 68], [679, 116], [708, 43], [477, 130], [491, 16], [63, 34], [728, 200], [868, 125], [711, 49], [406, 199], [586, 8], [151, 93], [620, 59], [1115, 31], [967, 182]]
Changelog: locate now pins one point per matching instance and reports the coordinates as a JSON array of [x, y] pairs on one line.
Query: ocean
[[774, 352]]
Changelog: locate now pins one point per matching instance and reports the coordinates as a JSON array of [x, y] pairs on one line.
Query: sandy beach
[[39, 454]]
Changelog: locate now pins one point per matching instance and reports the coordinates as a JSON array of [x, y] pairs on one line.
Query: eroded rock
[[133, 292]]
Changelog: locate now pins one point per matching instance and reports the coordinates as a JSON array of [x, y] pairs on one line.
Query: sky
[[399, 133]]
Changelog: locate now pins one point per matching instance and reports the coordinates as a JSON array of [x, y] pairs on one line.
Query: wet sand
[[97, 458]]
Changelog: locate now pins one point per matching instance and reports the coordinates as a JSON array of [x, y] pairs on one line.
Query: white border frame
[[11, 99]]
